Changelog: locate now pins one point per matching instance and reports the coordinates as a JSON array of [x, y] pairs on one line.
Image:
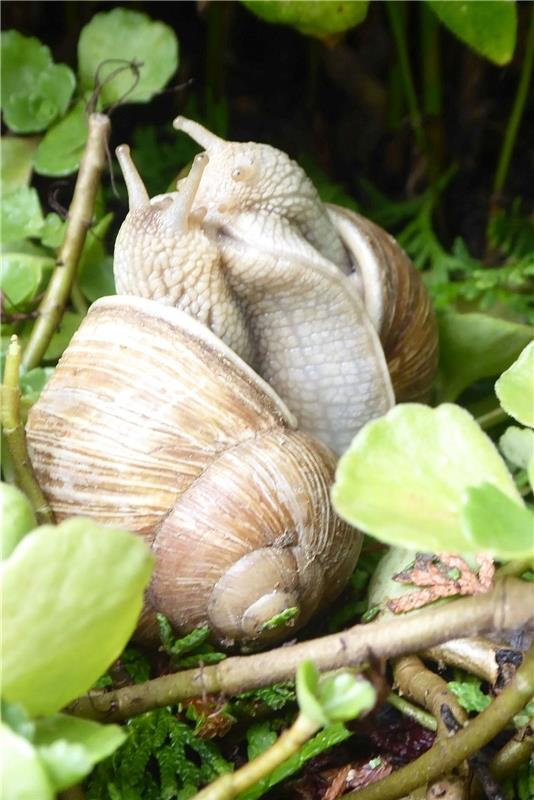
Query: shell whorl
[[151, 423]]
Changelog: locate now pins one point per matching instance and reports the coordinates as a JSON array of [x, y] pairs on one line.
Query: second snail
[[246, 309]]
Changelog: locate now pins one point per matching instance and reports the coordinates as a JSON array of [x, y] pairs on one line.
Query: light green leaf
[[475, 346], [16, 153], [65, 763], [21, 214], [404, 476], [517, 446], [70, 322], [470, 694], [70, 747], [515, 388], [22, 774], [17, 518], [53, 231], [35, 91], [497, 525], [60, 152], [307, 686], [64, 589], [488, 26], [126, 35], [22, 276], [344, 696], [320, 18]]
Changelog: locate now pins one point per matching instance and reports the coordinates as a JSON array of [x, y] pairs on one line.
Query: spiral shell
[[150, 422]]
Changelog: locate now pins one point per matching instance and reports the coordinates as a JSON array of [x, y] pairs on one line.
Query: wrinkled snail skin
[[151, 423], [302, 324]]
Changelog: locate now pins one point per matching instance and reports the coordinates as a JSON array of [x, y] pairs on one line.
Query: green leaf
[[97, 741], [320, 18], [475, 346], [497, 525], [324, 740], [344, 696], [22, 773], [64, 589], [53, 231], [488, 26], [282, 619], [260, 737], [17, 518], [515, 388], [60, 152], [65, 763], [21, 214], [22, 276], [404, 476], [517, 446], [307, 685], [70, 322], [33, 382], [470, 695], [126, 35], [35, 91], [16, 153], [95, 274]]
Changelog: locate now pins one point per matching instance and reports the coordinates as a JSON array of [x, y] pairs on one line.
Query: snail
[[339, 332], [255, 331]]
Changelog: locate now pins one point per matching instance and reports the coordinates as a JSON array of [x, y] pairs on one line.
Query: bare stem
[[15, 436], [510, 605], [448, 752], [482, 657], [233, 783], [81, 210], [413, 712]]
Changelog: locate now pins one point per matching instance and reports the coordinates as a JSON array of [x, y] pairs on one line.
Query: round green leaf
[[65, 763], [313, 17], [475, 346], [404, 476], [344, 696], [488, 26], [130, 36], [21, 278], [35, 91], [21, 214], [16, 153], [496, 524], [517, 446], [22, 774], [60, 152], [515, 388], [33, 382], [17, 518], [72, 595], [98, 741]]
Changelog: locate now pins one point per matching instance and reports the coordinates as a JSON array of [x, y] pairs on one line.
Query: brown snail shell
[[150, 422]]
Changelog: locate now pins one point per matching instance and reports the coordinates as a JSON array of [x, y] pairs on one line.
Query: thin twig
[[476, 655], [413, 712], [81, 210], [510, 605], [15, 436], [447, 753]]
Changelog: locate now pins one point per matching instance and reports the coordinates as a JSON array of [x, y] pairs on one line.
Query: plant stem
[[233, 783], [476, 655], [414, 712], [426, 688], [15, 436], [395, 13], [81, 210], [509, 759], [517, 110], [448, 752], [492, 418], [509, 605]]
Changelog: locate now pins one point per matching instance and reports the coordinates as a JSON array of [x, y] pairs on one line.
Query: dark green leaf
[[129, 36], [260, 737], [35, 91], [488, 26], [95, 275], [33, 382], [320, 18], [475, 346], [60, 152]]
